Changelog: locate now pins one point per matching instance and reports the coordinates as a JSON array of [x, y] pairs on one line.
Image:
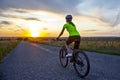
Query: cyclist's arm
[[61, 33]]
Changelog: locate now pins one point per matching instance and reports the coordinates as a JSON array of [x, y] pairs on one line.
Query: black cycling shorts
[[75, 39]]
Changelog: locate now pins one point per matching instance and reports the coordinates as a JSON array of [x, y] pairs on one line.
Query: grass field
[[6, 46], [107, 45]]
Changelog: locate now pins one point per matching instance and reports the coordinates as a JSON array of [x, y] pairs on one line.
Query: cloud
[[53, 5], [5, 23], [17, 28], [117, 20], [109, 4], [106, 10], [90, 30], [59, 6], [20, 16], [36, 19], [44, 28], [21, 11], [101, 13], [88, 5], [20, 28]]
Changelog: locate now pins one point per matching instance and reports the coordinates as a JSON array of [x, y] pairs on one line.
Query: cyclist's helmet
[[68, 17]]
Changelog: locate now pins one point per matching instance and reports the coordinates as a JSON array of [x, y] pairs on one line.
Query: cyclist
[[74, 35]]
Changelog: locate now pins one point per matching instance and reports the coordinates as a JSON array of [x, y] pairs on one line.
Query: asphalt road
[[29, 61]]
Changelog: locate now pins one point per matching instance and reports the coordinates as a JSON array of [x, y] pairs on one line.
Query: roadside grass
[[105, 46], [100, 45], [110, 52], [6, 47]]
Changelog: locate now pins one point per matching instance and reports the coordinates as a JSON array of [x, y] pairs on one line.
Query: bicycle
[[79, 58]]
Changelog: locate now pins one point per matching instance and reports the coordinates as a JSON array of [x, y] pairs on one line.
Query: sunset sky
[[45, 18]]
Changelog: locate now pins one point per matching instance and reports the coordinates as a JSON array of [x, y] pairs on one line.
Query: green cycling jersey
[[71, 29]]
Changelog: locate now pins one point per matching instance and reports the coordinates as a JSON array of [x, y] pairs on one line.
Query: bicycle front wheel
[[81, 64], [63, 58]]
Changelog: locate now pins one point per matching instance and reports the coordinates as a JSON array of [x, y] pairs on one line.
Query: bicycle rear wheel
[[63, 58], [81, 64]]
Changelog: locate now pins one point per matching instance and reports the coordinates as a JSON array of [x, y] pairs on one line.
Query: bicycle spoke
[[82, 64], [62, 57]]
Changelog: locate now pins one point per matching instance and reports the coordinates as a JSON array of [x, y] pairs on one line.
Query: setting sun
[[35, 34]]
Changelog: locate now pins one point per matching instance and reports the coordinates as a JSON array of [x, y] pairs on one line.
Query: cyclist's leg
[[76, 47], [77, 42], [68, 42]]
